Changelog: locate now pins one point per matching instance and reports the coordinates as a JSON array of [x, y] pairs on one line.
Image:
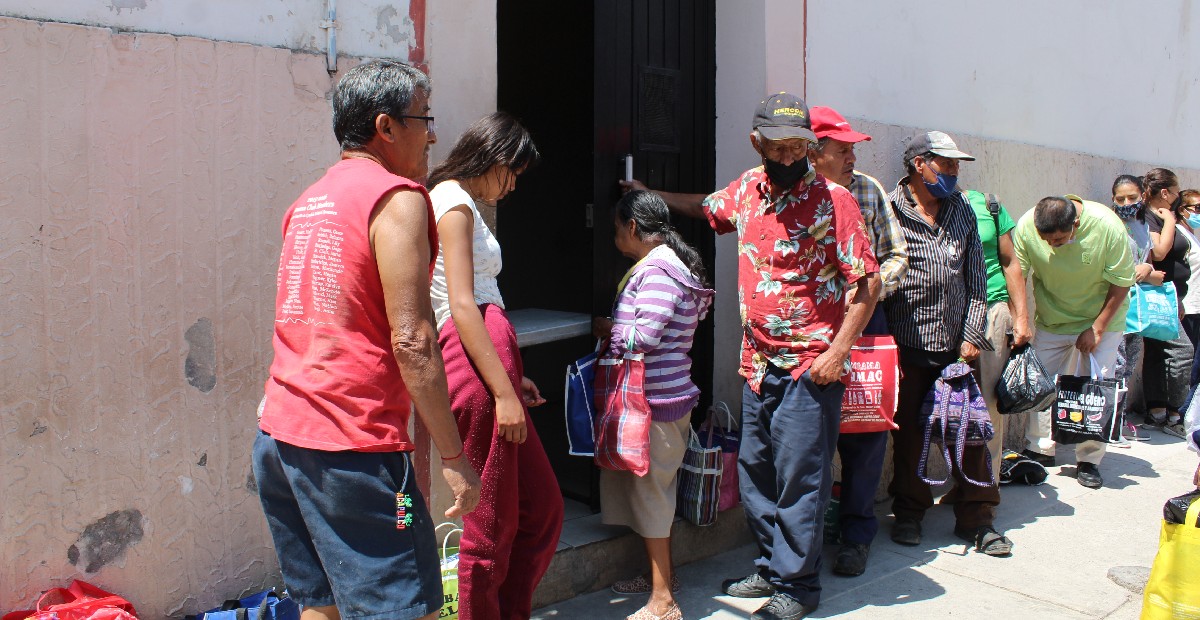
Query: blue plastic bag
[[581, 405], [1153, 311], [265, 605]]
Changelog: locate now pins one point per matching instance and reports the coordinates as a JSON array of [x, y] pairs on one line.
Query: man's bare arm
[[1014, 281], [400, 242], [683, 204], [1090, 338], [827, 368]]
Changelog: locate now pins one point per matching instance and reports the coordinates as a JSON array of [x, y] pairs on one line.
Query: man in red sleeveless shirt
[[355, 349]]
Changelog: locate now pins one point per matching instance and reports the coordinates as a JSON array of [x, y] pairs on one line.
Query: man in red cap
[[862, 453]]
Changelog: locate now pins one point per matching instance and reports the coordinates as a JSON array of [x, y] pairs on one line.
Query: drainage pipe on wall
[[330, 25]]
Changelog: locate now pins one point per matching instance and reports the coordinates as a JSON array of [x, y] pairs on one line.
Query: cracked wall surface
[[143, 182], [365, 27]]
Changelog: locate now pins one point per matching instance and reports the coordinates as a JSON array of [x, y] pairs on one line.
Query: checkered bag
[[699, 490], [622, 414]]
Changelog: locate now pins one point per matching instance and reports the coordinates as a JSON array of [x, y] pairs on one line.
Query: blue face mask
[[1193, 220], [946, 183]]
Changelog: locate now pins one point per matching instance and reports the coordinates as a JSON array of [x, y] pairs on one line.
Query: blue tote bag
[[1153, 311], [580, 407]]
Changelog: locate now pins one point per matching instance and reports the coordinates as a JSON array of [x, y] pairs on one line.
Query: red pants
[[520, 511]]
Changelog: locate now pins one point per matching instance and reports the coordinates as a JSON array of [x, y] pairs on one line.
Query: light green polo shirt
[[1070, 283]]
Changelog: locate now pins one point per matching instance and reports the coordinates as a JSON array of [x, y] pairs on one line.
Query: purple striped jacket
[[656, 315]]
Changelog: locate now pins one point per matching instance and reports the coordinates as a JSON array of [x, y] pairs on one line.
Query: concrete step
[[592, 556]]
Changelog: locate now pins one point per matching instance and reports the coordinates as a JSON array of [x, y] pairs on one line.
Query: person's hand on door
[[632, 185]]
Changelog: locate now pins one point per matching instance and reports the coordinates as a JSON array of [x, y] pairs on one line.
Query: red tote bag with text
[[872, 387]]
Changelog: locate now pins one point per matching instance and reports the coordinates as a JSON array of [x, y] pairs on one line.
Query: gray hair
[[368, 90]]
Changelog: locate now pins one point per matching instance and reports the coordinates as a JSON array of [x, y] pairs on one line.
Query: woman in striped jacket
[[662, 299]]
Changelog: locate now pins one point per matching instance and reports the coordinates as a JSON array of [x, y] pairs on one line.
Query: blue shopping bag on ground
[[1153, 311], [265, 605], [581, 406]]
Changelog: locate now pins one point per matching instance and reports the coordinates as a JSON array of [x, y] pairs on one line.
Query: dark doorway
[[594, 82]]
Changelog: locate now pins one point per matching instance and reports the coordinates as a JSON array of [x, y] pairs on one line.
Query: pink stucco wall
[[142, 179]]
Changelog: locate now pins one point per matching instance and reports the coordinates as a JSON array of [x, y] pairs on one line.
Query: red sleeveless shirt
[[335, 384]]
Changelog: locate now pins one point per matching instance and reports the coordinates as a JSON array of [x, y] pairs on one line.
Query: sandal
[[1175, 428], [672, 613], [987, 540], [641, 585], [1134, 436]]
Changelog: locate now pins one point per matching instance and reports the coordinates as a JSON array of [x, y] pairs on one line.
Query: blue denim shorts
[[334, 519]]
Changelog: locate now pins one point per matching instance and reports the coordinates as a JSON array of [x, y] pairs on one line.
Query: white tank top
[[485, 252]]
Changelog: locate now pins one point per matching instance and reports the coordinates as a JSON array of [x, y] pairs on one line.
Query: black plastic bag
[[1024, 385], [1175, 510], [1016, 467]]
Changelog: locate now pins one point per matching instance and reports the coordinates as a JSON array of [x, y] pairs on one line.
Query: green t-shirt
[[997, 288], [1070, 283]]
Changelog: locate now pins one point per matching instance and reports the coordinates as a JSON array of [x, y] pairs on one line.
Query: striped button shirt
[[942, 300], [656, 314], [887, 238]]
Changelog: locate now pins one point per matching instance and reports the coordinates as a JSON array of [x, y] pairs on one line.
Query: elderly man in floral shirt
[[801, 242]]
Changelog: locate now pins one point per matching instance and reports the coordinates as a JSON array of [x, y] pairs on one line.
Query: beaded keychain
[[404, 502]]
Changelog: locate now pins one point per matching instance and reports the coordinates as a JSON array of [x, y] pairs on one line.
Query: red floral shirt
[[797, 253]]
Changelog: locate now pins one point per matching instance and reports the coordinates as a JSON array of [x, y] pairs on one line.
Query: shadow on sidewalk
[[892, 578]]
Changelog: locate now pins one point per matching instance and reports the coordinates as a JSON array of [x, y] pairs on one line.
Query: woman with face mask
[[1127, 193], [1189, 226], [1168, 362]]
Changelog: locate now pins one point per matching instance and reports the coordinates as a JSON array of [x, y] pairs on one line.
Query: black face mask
[[784, 177], [1178, 202]]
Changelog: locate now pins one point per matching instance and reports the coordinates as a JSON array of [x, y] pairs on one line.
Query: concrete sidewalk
[[1067, 539]]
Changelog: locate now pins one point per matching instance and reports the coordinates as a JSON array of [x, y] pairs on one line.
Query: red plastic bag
[[872, 387], [622, 414], [78, 601]]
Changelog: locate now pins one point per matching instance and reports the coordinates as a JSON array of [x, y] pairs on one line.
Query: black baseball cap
[[783, 116]]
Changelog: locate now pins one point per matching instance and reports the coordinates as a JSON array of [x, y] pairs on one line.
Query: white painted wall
[[460, 38], [1112, 79], [367, 27], [747, 71]]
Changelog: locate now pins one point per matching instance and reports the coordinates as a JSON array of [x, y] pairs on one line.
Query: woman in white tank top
[[507, 542]]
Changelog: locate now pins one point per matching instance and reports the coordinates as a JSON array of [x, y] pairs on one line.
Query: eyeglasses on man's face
[[429, 124]]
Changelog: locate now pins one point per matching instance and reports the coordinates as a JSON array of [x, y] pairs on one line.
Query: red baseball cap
[[827, 123]]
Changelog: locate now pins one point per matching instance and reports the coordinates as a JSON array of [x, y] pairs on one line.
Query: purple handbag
[[955, 414]]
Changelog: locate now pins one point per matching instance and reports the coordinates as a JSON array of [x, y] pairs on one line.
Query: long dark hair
[[497, 139], [653, 219]]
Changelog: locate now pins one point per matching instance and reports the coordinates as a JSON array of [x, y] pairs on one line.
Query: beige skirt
[[647, 503]]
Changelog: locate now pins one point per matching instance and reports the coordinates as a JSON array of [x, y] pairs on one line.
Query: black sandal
[[990, 542], [987, 540]]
